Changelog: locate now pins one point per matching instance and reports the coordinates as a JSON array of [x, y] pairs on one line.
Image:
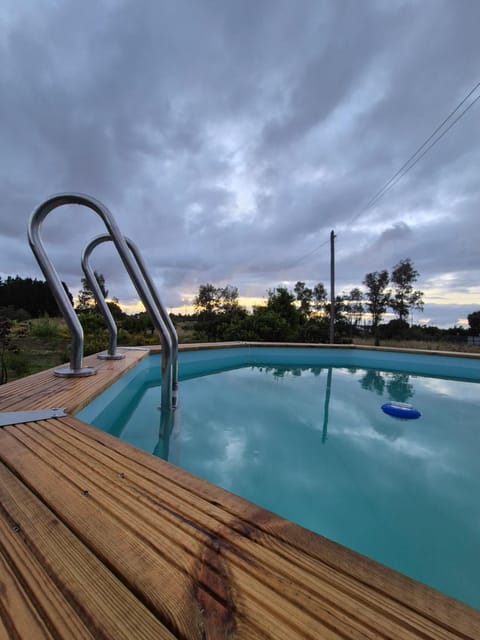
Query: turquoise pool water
[[303, 434]]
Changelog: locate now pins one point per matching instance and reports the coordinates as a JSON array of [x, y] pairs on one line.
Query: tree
[[320, 298], [340, 309], [137, 323], [377, 297], [304, 295], [474, 322], [207, 307], [282, 301], [116, 310], [67, 291], [266, 324], [404, 296], [212, 299], [228, 299], [395, 328], [216, 308], [86, 299], [354, 306], [236, 325], [29, 296], [206, 301]]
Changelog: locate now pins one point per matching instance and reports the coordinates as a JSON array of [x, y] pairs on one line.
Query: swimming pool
[[300, 432]]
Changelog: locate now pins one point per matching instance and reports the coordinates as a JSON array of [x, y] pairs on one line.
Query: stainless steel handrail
[[167, 321], [92, 282], [133, 270]]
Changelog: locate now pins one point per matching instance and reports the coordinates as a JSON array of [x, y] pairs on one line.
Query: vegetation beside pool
[[39, 344], [32, 339]]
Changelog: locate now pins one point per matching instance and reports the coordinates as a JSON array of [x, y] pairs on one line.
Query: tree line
[[25, 298], [303, 314]]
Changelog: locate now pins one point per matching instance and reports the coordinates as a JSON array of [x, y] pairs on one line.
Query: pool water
[[312, 444]]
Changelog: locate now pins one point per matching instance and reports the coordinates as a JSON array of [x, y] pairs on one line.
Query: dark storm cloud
[[329, 72], [229, 138]]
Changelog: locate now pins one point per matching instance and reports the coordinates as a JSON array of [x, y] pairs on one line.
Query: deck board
[[69, 582], [92, 528], [44, 390]]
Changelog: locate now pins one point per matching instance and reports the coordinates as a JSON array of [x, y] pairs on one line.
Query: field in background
[[430, 345]]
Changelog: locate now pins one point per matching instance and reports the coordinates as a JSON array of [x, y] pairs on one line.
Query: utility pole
[[332, 287]]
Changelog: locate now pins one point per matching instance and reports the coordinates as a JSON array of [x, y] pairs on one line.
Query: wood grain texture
[[101, 540], [63, 583], [45, 390], [204, 562], [284, 537]]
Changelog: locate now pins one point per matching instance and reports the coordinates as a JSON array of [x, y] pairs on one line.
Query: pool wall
[[197, 361]]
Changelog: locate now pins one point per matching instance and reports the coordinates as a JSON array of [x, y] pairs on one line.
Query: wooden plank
[[36, 602], [44, 389], [75, 593], [4, 633], [337, 591], [204, 562], [345, 603], [287, 539], [193, 597], [143, 567], [18, 616], [212, 580], [299, 599]]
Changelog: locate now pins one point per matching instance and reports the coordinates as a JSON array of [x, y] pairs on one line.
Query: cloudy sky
[[228, 137]]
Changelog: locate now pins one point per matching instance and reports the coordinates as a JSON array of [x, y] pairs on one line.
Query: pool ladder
[[141, 280]]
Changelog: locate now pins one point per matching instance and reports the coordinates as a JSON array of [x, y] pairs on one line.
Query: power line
[[415, 157], [422, 150], [386, 187], [400, 173], [307, 255]]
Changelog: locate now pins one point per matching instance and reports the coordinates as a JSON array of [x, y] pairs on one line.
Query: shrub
[[45, 328], [92, 323], [95, 344]]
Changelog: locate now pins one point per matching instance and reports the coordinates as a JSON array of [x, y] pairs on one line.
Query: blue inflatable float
[[401, 410]]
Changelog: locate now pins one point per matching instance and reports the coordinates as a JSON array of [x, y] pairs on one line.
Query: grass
[[434, 345], [36, 345], [186, 331], [43, 343]]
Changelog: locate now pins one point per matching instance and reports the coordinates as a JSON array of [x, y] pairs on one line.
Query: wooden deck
[[100, 540]]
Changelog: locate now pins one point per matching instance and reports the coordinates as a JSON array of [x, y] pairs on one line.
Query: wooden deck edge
[[419, 597], [453, 616], [403, 608], [44, 390]]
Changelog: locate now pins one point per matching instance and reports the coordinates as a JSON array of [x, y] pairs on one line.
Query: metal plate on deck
[[15, 417]]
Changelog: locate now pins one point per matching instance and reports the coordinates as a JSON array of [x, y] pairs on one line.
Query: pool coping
[[413, 609], [193, 346]]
